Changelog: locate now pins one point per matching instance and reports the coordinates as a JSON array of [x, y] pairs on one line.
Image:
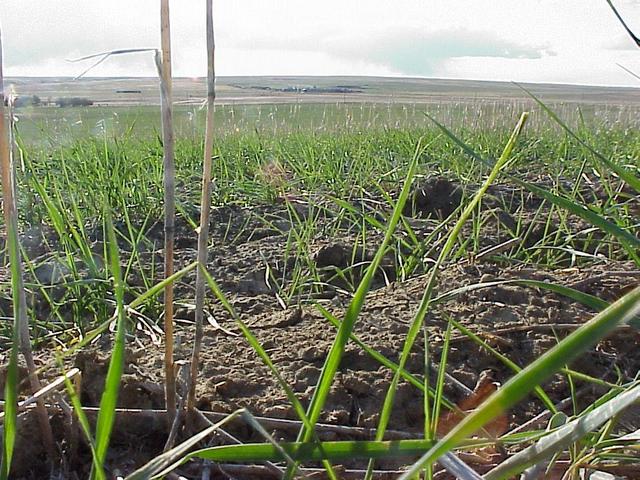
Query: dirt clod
[[435, 198]]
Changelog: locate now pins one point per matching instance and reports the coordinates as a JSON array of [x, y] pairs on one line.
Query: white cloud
[[297, 62], [577, 41], [419, 52]]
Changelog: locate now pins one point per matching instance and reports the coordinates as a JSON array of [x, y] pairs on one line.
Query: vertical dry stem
[[205, 203], [169, 206], [10, 211]]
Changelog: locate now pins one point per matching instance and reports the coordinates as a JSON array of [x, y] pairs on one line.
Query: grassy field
[[449, 253], [268, 106]]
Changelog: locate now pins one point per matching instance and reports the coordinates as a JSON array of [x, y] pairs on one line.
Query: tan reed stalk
[[10, 211], [205, 204], [169, 206]]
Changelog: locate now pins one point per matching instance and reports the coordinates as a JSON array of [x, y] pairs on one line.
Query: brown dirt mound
[[521, 323]]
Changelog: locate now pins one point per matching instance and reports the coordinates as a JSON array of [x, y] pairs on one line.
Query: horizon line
[[285, 76]]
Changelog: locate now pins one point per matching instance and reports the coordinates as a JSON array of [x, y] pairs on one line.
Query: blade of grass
[[84, 423], [586, 299], [632, 180], [255, 344], [254, 423], [561, 438], [437, 401], [505, 360], [425, 302], [621, 312], [257, 347], [300, 451], [108, 401], [159, 287], [633, 36], [334, 357], [10, 430], [628, 240], [382, 359], [426, 404]]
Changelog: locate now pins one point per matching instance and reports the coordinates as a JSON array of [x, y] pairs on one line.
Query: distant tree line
[[36, 101], [73, 102]]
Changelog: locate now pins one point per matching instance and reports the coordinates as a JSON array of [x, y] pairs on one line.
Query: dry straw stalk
[[169, 204], [10, 211], [205, 203]]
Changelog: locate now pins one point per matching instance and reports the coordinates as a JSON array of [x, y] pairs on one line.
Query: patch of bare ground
[[519, 322], [250, 249]]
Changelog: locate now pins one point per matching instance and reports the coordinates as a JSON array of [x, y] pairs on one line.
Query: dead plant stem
[[169, 204], [10, 211], [205, 205]]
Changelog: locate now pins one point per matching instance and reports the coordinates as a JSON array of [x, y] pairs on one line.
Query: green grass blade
[[108, 401], [255, 424], [442, 369], [629, 241], [506, 361], [255, 344], [332, 361], [625, 175], [425, 302], [426, 403], [561, 438], [11, 383], [257, 347], [300, 451], [53, 211], [621, 312], [412, 379], [10, 430], [586, 299], [466, 148], [159, 287], [98, 470]]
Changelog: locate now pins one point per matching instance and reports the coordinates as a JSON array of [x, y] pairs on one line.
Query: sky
[[557, 41]]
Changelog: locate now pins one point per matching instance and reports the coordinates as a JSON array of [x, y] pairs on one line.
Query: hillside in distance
[[289, 89]]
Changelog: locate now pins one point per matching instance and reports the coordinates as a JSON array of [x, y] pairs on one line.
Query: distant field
[[144, 91], [273, 104]]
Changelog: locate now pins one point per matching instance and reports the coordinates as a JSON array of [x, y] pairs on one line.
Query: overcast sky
[[568, 41]]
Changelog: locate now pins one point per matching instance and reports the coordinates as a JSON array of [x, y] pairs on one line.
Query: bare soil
[[519, 322]]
